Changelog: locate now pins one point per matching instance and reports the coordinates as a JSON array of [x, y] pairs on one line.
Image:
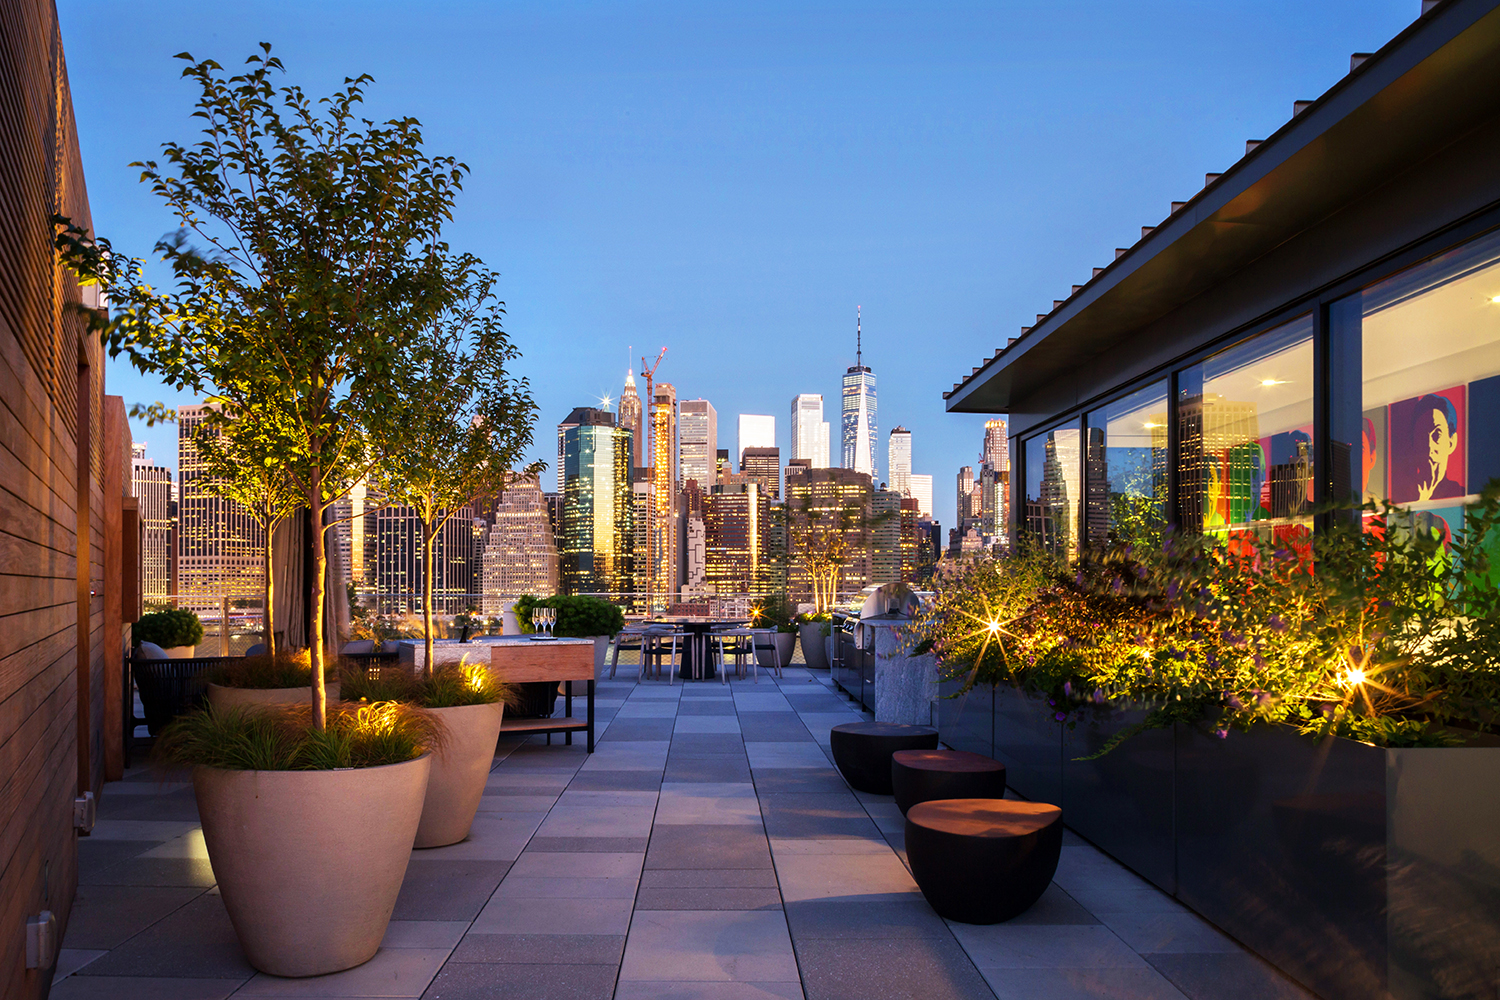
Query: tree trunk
[[429, 539], [268, 613], [320, 573]]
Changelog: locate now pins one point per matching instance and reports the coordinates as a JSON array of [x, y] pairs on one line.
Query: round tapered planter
[[812, 645], [221, 697], [309, 863], [459, 772]]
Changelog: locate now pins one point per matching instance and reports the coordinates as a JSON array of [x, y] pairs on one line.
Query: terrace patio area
[[708, 849]]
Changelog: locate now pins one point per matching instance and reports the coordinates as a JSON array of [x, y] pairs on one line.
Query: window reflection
[[1245, 425], [1126, 469], [1052, 490]]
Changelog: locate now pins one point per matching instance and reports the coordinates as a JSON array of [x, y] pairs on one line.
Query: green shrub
[[168, 629], [264, 738], [775, 611], [285, 670], [451, 685], [577, 617]]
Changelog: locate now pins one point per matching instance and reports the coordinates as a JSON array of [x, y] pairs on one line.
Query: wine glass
[[551, 621]]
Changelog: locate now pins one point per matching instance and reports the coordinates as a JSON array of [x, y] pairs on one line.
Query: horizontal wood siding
[[55, 641]]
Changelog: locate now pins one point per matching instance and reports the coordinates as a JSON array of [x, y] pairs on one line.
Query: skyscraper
[[996, 446], [828, 532], [662, 539], [756, 430], [398, 560], [764, 466], [520, 554], [810, 430], [698, 442], [220, 547], [630, 419], [921, 491], [898, 461], [859, 411], [965, 494], [735, 517], [597, 550], [152, 485]]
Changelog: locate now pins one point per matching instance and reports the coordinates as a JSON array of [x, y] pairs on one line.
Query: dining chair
[[765, 638], [736, 642]]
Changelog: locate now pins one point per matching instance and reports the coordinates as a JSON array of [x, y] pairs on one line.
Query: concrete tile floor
[[708, 850]]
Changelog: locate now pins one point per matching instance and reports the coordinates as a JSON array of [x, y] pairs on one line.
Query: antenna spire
[[859, 333]]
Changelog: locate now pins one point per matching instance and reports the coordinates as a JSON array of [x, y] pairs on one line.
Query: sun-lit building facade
[[597, 551]]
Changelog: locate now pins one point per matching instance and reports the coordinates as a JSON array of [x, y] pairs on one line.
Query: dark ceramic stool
[[862, 751], [981, 861], [924, 775]]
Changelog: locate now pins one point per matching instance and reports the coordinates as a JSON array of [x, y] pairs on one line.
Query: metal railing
[[231, 622]]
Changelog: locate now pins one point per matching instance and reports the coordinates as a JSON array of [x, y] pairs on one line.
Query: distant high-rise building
[[398, 560], [898, 461], [722, 465], [965, 493], [756, 430], [921, 491], [859, 413], [736, 520], [693, 535], [630, 419], [698, 442], [662, 540], [597, 549], [520, 554], [764, 466], [220, 547], [810, 430], [152, 486], [828, 513], [996, 446]]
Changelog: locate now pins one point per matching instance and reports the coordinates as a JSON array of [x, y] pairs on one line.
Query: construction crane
[[657, 486]]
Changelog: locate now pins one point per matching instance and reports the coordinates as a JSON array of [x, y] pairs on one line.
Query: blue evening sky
[[731, 180]]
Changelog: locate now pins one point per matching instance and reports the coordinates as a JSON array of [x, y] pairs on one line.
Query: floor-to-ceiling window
[[1053, 489], [1125, 469]]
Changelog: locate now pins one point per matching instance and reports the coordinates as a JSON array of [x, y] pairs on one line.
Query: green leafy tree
[[309, 252], [465, 419]]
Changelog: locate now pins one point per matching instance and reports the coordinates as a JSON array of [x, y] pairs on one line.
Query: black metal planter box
[[1359, 871]]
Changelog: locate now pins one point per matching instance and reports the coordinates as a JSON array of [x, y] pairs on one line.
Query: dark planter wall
[[967, 722], [1029, 743], [1123, 800]]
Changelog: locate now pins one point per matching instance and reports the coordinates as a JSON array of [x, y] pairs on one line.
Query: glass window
[[1245, 435], [1126, 469], [1431, 398], [1052, 490]]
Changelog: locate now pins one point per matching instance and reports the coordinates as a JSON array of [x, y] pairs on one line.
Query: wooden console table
[[520, 659]]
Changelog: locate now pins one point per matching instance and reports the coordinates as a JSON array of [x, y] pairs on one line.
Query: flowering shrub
[[1372, 629]]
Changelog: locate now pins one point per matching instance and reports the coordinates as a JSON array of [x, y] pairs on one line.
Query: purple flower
[[1172, 590], [1061, 716], [1098, 696], [1052, 702], [1276, 623], [1222, 734], [1068, 688], [1262, 698], [1234, 703]]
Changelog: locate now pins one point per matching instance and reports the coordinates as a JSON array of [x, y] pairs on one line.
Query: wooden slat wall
[[52, 593]]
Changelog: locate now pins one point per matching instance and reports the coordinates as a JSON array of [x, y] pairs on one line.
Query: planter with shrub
[[469, 701], [309, 830], [776, 611], [176, 632], [283, 679], [578, 617], [812, 629]]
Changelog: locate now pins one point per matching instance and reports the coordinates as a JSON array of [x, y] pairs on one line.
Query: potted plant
[[176, 631], [469, 701], [775, 611], [578, 617], [272, 679], [309, 830], [813, 627]]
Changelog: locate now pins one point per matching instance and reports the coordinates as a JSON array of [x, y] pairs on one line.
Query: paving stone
[[706, 706], [196, 941], [708, 803], [1239, 976], [95, 855], [393, 972], [447, 890], [818, 816], [1037, 946], [476, 981], [785, 755], [710, 898], [424, 933], [567, 887], [798, 781], [637, 730], [1168, 933], [142, 988], [774, 727], [1080, 984], [692, 724], [105, 916], [704, 946], [180, 805], [926, 968], [492, 837], [554, 916], [701, 846], [154, 871], [706, 767], [604, 845], [867, 877], [841, 919], [1055, 907], [727, 743], [539, 864], [542, 949], [708, 991], [707, 877]]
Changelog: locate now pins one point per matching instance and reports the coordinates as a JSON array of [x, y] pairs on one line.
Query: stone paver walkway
[[708, 849]]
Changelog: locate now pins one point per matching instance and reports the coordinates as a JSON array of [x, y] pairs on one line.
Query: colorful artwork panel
[[1426, 443], [1376, 451]]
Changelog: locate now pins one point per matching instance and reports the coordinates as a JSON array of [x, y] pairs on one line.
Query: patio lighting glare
[[992, 626], [1495, 299], [1354, 678], [378, 718]]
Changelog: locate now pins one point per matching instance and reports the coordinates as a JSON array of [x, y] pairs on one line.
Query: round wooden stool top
[[862, 751], [884, 729], [961, 761], [988, 818]]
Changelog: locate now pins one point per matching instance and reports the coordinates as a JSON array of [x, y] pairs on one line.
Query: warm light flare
[[1354, 678]]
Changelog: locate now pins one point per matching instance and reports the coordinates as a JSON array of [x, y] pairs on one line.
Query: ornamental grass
[[283, 738], [450, 686]]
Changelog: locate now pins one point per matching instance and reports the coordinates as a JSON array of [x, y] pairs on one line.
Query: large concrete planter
[[813, 652], [309, 863], [459, 772], [180, 652], [222, 698]]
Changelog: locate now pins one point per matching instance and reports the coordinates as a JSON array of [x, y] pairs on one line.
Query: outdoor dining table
[[698, 630]]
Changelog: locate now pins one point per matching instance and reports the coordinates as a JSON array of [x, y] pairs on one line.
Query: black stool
[[862, 751], [981, 861], [924, 775]]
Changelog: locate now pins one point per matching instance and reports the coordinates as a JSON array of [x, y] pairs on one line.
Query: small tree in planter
[[465, 420]]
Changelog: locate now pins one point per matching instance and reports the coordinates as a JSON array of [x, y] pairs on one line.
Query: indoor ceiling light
[[1272, 381]]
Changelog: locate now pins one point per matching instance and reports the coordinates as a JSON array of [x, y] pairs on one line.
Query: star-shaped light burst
[[605, 401]]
